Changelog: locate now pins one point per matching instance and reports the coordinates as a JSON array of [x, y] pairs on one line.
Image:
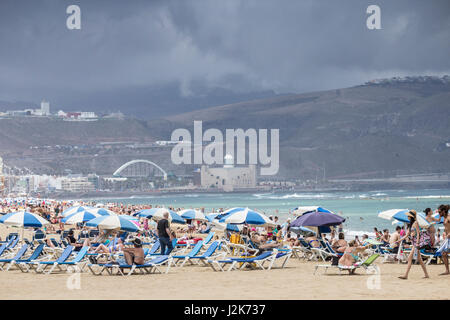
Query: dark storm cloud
[[239, 45]]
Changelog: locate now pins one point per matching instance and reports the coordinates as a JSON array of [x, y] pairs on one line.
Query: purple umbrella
[[317, 219]]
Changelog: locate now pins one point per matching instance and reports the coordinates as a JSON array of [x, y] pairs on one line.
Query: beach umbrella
[[299, 211], [191, 214], [131, 218], [115, 222], [247, 216], [318, 219], [74, 209], [211, 216], [224, 226], [302, 230], [80, 216], [389, 214], [158, 214], [229, 211], [102, 212], [23, 219], [401, 215]]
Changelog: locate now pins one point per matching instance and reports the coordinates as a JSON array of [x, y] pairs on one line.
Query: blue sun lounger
[[148, 267], [18, 256], [35, 255], [42, 265], [76, 262], [220, 264], [192, 253], [208, 254]]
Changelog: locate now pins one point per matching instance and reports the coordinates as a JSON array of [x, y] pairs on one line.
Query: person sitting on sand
[[350, 256]]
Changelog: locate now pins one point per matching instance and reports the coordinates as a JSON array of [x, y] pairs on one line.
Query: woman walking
[[413, 232]]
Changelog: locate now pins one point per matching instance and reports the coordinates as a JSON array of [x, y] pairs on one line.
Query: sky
[[171, 56]]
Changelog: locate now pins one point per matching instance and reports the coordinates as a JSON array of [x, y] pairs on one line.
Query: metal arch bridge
[[129, 163]]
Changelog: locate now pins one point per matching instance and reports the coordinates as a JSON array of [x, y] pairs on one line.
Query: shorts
[[445, 247]]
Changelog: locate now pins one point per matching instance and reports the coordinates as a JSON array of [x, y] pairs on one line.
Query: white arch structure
[[129, 163]]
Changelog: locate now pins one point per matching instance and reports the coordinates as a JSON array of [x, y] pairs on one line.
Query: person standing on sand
[[445, 247], [414, 233], [164, 234]]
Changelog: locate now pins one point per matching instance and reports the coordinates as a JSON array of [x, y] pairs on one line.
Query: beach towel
[[445, 247]]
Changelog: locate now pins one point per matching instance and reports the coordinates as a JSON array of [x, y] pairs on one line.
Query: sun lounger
[[76, 263], [192, 253], [42, 265], [364, 264], [34, 256], [150, 266], [18, 256], [233, 262], [208, 254]]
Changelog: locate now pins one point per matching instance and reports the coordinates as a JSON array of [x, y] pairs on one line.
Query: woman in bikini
[[350, 256], [413, 232]]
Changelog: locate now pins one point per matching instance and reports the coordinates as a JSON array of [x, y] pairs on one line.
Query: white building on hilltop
[[228, 177]]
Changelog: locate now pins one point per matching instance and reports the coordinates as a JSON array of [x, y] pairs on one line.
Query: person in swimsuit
[[444, 249], [350, 256], [414, 233], [431, 229], [340, 244]]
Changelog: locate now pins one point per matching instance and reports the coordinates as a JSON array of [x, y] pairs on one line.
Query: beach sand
[[296, 281]]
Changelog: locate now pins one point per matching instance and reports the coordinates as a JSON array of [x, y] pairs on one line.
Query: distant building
[[45, 108], [228, 177], [77, 184]]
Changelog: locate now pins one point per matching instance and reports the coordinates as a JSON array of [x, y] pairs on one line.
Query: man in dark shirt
[[164, 234]]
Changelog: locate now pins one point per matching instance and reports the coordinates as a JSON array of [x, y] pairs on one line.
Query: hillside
[[373, 130]]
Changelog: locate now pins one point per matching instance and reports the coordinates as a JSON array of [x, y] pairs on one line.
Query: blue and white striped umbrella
[[72, 210], [158, 214], [131, 218], [212, 216], [80, 216], [228, 212], [400, 215], [23, 219], [191, 214], [247, 216], [299, 211], [115, 222], [102, 212]]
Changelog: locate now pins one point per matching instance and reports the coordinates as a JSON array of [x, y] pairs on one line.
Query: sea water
[[359, 208]]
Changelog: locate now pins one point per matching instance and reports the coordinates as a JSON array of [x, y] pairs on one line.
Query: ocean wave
[[293, 196], [428, 197]]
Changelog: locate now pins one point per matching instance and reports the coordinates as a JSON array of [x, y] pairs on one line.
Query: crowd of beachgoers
[[156, 242]]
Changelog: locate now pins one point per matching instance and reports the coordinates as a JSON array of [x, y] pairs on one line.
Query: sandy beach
[[296, 281]]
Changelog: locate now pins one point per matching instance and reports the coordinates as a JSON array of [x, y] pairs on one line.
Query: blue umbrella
[[212, 216], [307, 209], [191, 214], [74, 209], [113, 223], [23, 219], [229, 211], [81, 216], [246, 216], [102, 211], [158, 213], [317, 219]]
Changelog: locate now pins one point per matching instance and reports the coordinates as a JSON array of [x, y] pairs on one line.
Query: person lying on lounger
[[350, 256]]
